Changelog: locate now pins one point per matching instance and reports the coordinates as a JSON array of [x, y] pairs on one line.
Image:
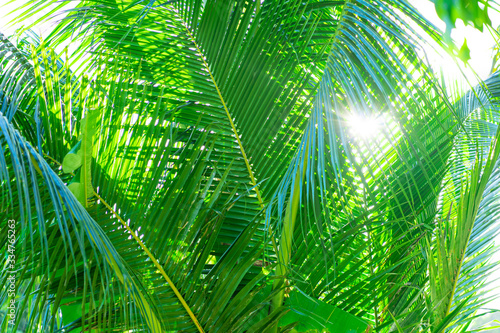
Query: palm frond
[[74, 225]]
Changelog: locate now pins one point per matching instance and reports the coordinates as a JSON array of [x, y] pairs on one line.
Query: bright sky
[[6, 9], [480, 45]]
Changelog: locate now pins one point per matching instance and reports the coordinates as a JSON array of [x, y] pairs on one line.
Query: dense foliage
[[194, 166]]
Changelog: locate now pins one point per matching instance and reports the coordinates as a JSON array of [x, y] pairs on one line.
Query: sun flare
[[364, 127]]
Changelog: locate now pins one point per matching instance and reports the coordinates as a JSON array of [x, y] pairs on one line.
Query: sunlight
[[364, 127]]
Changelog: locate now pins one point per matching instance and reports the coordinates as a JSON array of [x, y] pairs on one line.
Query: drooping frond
[[32, 194], [215, 142]]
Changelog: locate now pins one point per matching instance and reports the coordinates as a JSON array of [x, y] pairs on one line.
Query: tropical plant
[[191, 166]]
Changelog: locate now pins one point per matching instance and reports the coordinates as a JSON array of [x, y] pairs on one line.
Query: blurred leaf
[[464, 52]]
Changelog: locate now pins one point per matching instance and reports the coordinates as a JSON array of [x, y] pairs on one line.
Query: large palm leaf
[[207, 111]]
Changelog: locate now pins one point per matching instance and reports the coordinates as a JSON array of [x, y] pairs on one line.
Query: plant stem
[[285, 245]]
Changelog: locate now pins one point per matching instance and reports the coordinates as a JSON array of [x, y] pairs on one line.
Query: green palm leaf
[[216, 148]]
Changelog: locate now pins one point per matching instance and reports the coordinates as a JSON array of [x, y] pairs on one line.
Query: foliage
[[192, 167], [469, 11]]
